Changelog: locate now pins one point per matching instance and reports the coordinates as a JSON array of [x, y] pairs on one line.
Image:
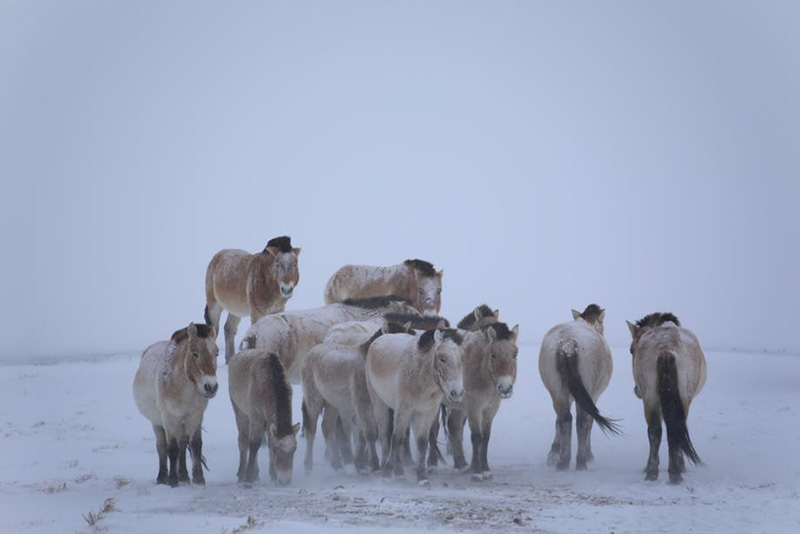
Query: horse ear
[[441, 325], [297, 251], [271, 251], [272, 430], [213, 333], [191, 330], [601, 316], [491, 334], [633, 328], [515, 332], [438, 337], [477, 314], [407, 326], [576, 314], [497, 313], [440, 274], [296, 428]]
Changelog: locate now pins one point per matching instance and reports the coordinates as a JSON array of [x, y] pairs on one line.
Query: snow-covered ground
[[70, 438]]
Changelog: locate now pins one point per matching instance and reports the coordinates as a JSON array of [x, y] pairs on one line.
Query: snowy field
[[71, 438]]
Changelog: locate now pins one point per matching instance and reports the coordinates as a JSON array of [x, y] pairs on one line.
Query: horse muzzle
[[210, 388], [287, 291], [505, 387], [454, 392]]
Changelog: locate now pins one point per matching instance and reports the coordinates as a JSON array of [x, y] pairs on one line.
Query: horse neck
[[422, 364], [476, 365], [176, 363], [261, 278]]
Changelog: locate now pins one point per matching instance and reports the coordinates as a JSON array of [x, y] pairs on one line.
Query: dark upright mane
[[375, 302], [468, 322], [592, 313], [203, 331], [283, 395], [391, 328], [418, 322], [657, 319], [426, 340], [282, 243], [425, 268], [501, 329]]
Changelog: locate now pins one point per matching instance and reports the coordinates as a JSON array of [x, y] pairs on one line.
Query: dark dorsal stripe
[[592, 313], [501, 329], [203, 331], [425, 268], [468, 322], [391, 328], [375, 302], [426, 340], [418, 322], [282, 243], [283, 395], [657, 319]]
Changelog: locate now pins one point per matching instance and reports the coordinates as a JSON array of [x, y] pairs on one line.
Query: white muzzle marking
[[287, 290], [209, 386], [505, 387], [454, 390]]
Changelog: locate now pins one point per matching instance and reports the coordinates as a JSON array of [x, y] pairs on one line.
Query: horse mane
[[282, 392], [376, 302], [592, 313], [391, 327], [426, 340], [418, 322], [468, 322], [203, 331], [282, 243], [425, 268], [657, 319], [501, 329]]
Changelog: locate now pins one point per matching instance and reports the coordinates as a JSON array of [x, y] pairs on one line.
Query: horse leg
[[589, 454], [311, 410], [255, 436], [654, 432], [582, 429], [196, 445], [361, 459], [486, 431], [369, 428], [408, 458], [422, 432], [183, 471], [173, 452], [433, 439], [402, 415], [383, 424], [161, 447], [332, 453], [455, 425], [231, 327], [213, 312], [344, 440], [564, 432], [676, 461], [242, 425], [475, 425]]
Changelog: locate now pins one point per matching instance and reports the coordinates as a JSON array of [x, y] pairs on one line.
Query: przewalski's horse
[[250, 284], [174, 381], [334, 380], [669, 370], [292, 334], [490, 371], [481, 316], [415, 280], [262, 401], [575, 364], [411, 375]]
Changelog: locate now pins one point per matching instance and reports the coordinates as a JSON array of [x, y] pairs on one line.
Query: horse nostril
[[211, 389]]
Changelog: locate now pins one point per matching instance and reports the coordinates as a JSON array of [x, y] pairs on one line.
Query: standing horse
[[415, 280], [669, 370], [292, 334], [250, 284], [173, 384], [262, 401], [490, 371], [334, 380], [575, 364], [410, 376]]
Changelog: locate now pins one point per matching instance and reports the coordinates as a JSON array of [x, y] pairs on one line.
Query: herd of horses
[[377, 361]]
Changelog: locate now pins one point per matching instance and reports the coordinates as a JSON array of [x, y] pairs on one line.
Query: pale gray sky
[[641, 155]]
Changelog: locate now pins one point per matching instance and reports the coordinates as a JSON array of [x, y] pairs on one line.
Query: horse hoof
[[432, 469], [463, 469], [424, 483], [651, 477], [562, 466], [487, 475], [162, 480], [477, 477], [675, 479], [199, 481], [580, 466]]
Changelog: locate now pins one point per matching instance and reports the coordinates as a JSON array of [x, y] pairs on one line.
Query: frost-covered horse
[[172, 386], [490, 371], [415, 280], [334, 380], [250, 284], [292, 334], [262, 401], [575, 364], [410, 376], [669, 370]]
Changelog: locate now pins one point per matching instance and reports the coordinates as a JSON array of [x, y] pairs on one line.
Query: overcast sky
[[641, 155]]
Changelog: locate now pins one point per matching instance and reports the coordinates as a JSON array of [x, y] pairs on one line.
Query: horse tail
[[567, 365], [672, 408], [306, 418]]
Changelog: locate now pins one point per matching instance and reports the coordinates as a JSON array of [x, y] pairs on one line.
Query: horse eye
[[494, 356], [195, 354], [439, 291]]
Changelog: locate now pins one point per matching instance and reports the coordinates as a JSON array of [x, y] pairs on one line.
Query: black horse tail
[[672, 408]]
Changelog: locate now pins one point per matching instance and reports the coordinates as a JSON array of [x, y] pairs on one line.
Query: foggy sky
[[638, 155]]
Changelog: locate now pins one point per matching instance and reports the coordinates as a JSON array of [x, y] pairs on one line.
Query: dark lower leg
[[397, 453], [485, 450], [675, 462], [455, 425], [422, 449], [564, 429], [173, 453], [197, 458], [477, 446], [231, 326], [161, 447], [582, 428], [183, 470], [654, 435], [344, 443], [252, 462]]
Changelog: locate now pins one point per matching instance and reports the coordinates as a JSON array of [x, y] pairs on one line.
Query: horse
[[172, 387], [292, 334], [411, 375], [490, 371], [481, 316], [262, 401], [334, 380], [575, 364], [669, 370], [415, 280], [250, 284]]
